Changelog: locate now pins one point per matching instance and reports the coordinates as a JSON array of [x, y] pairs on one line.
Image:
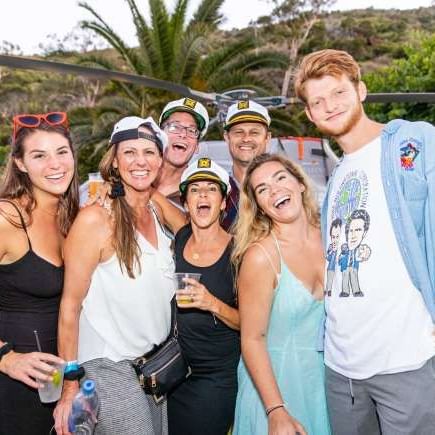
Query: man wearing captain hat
[[184, 121], [247, 136]]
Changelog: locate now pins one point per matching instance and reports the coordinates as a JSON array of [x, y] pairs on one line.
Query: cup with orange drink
[[181, 284]]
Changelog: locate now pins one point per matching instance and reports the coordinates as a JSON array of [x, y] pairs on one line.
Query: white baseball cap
[[246, 111], [195, 108], [128, 128], [204, 169]]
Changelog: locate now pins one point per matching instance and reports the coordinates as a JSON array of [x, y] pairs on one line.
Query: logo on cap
[[188, 102], [243, 105], [204, 162]]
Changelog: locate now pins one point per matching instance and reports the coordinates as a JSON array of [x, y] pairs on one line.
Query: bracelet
[[272, 408], [75, 375], [71, 366]]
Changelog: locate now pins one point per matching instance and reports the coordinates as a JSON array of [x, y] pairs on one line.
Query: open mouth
[[140, 174], [55, 177], [179, 146], [203, 209], [282, 202]]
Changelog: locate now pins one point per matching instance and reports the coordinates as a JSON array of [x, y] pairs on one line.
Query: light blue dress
[[297, 365]]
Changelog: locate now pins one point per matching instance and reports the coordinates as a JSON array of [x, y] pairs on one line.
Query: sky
[[49, 17]]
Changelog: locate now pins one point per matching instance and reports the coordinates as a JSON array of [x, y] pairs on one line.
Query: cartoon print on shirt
[[331, 255], [349, 223], [356, 252], [408, 154]]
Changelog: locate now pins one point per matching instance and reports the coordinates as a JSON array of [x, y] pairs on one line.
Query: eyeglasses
[[34, 121], [175, 128]]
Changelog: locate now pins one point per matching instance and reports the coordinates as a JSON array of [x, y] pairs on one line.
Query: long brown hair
[[252, 225], [16, 184], [124, 239]]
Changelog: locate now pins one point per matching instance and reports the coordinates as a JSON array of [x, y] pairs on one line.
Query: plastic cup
[[182, 285], [52, 390], [94, 181]]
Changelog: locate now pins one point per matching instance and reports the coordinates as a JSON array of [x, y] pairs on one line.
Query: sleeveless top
[[122, 318], [30, 290], [298, 368], [208, 344]]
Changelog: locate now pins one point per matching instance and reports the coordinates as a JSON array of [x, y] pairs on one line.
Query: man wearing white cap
[[184, 121], [247, 136]]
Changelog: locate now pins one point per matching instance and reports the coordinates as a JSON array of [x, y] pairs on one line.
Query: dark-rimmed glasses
[[34, 121], [176, 128]]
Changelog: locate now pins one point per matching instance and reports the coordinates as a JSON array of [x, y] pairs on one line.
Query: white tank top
[[123, 318]]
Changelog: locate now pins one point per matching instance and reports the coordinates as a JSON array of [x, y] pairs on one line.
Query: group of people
[[300, 322]]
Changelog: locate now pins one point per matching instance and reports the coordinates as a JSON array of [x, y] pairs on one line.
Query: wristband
[[272, 408], [75, 375], [71, 366]]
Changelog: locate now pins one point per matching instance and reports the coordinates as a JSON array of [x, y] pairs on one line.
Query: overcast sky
[[28, 22]]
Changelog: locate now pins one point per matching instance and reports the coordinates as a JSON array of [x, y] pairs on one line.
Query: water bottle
[[84, 410]]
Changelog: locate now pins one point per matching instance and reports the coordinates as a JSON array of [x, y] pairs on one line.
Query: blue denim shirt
[[410, 195]]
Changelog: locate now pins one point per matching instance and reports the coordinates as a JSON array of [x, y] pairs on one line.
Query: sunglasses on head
[[34, 121]]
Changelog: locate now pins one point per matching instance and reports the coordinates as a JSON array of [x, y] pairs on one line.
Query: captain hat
[[204, 169], [246, 111], [128, 128], [195, 108]]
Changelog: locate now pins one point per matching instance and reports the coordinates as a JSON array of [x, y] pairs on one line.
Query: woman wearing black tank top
[[38, 201], [208, 324]]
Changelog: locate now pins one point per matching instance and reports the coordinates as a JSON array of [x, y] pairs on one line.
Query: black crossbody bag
[[163, 368]]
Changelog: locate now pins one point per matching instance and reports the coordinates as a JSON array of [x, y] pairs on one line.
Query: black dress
[[30, 290], [205, 403]]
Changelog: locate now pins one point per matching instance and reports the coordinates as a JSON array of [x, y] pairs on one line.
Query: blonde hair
[[252, 224], [322, 63]]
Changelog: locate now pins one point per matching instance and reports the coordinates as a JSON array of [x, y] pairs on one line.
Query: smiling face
[[48, 161], [138, 162], [246, 141], [356, 233], [204, 202], [334, 104], [181, 146], [277, 192]]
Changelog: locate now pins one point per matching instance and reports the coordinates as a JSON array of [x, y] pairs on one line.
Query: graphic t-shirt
[[377, 322]]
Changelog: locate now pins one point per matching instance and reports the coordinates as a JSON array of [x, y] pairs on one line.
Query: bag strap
[[174, 330]]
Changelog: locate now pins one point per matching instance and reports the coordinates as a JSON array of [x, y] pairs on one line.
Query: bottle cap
[[88, 387]]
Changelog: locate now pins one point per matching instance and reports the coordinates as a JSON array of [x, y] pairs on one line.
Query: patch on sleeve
[[409, 150]]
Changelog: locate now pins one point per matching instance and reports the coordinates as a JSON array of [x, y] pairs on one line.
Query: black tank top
[[208, 344], [30, 290]]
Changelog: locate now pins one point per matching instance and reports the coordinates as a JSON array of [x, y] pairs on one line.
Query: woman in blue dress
[[280, 261]]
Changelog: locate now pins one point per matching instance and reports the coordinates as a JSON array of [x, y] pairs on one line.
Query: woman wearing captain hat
[[208, 325]]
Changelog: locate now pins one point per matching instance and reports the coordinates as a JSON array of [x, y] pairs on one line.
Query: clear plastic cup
[[94, 181], [52, 390], [182, 285]]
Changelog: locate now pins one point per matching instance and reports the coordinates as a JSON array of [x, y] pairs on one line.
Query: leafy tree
[[413, 73]]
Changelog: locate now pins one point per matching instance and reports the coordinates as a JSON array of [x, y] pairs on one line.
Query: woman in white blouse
[[118, 285]]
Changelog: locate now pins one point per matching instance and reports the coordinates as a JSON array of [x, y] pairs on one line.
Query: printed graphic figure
[[343, 261], [408, 154], [355, 230], [331, 255]]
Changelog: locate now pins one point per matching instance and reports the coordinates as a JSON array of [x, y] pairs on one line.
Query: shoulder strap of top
[[165, 231], [21, 219], [277, 245], [267, 255]]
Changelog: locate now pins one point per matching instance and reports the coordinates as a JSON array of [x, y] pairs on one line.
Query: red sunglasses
[[34, 121]]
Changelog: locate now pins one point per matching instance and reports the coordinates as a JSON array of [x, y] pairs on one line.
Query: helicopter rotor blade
[[102, 74], [177, 88]]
